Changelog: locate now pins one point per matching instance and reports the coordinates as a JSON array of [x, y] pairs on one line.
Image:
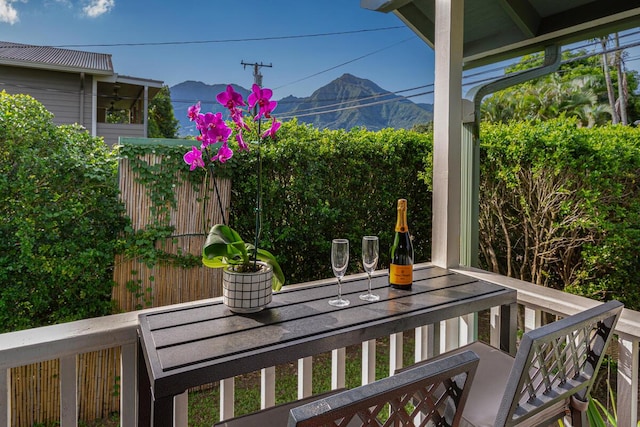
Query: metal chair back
[[558, 361], [435, 391]]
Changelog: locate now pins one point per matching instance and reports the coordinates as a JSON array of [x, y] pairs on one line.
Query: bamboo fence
[[165, 284], [35, 389]]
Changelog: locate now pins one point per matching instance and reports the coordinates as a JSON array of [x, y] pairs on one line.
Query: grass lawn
[[203, 405]]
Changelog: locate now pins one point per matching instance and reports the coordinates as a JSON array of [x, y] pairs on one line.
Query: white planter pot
[[247, 292]]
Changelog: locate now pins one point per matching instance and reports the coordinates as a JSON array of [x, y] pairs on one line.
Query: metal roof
[[45, 57], [496, 30]]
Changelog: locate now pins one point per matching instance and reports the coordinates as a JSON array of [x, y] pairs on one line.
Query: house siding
[[59, 92], [112, 132]]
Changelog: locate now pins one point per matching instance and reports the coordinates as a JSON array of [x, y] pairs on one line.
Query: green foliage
[[577, 90], [560, 206], [317, 185], [320, 185], [60, 218], [162, 121]]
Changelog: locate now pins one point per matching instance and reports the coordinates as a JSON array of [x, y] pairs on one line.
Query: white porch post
[[447, 133]]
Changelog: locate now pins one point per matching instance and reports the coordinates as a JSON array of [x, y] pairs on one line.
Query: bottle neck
[[401, 223]]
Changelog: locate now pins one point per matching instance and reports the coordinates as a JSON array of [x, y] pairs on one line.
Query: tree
[[162, 121], [60, 218], [604, 41], [579, 89]]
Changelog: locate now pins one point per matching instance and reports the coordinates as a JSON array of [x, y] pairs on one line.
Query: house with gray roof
[[79, 87]]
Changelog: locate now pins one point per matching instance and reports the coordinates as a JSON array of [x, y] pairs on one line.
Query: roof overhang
[[54, 67], [496, 30]]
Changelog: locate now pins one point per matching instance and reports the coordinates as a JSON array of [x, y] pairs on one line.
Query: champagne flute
[[370, 253], [339, 263]]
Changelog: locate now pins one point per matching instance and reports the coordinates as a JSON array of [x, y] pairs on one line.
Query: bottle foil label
[[401, 274]]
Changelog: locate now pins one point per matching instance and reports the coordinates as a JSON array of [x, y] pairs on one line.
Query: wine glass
[[339, 263], [370, 252]]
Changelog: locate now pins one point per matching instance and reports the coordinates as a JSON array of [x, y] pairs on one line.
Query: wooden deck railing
[[67, 341]]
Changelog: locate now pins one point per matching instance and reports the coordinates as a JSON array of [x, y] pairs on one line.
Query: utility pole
[[257, 77]]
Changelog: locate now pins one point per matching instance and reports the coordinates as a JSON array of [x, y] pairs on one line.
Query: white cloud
[[96, 8], [8, 13]]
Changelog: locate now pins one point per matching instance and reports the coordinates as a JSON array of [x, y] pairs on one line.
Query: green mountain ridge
[[344, 103]]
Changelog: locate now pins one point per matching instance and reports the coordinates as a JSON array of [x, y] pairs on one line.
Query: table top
[[196, 345]]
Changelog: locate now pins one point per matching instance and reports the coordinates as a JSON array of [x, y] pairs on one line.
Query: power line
[[343, 105], [353, 107], [240, 40], [479, 80], [631, 44], [346, 63]]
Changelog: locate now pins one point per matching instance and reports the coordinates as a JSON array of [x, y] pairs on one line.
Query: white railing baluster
[[305, 376], [227, 398], [494, 327], [424, 343], [338, 358], [368, 362], [267, 387], [395, 352], [627, 399], [468, 328], [532, 319], [450, 339], [5, 396], [69, 391], [181, 410], [128, 385]]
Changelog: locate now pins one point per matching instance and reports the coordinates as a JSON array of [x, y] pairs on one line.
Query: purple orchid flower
[[275, 125], [194, 158], [230, 98], [262, 97], [224, 154], [241, 144], [236, 116], [193, 111], [214, 130]]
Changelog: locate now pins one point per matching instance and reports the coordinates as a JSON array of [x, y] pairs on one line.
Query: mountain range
[[344, 103]]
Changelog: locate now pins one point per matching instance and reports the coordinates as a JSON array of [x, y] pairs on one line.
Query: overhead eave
[[496, 30], [597, 28]]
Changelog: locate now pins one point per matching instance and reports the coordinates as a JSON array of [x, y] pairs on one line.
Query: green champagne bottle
[[401, 269]]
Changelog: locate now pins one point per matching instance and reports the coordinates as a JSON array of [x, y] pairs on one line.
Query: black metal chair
[[550, 377], [438, 389]]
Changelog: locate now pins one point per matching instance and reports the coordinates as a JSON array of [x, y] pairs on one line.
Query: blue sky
[[392, 56], [308, 43]]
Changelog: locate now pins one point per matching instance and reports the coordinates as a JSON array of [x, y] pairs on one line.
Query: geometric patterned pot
[[247, 292]]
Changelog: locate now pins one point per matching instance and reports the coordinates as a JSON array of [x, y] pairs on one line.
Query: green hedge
[[319, 185], [560, 206], [59, 218]]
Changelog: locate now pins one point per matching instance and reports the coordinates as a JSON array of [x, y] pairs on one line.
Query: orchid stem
[[208, 171], [258, 199]]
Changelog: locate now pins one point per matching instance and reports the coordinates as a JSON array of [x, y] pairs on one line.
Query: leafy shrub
[[323, 184], [560, 206], [59, 218]]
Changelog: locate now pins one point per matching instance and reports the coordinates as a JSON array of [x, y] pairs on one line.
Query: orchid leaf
[[224, 246]]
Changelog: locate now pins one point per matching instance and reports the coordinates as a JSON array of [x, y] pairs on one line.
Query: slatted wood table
[[188, 347]]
